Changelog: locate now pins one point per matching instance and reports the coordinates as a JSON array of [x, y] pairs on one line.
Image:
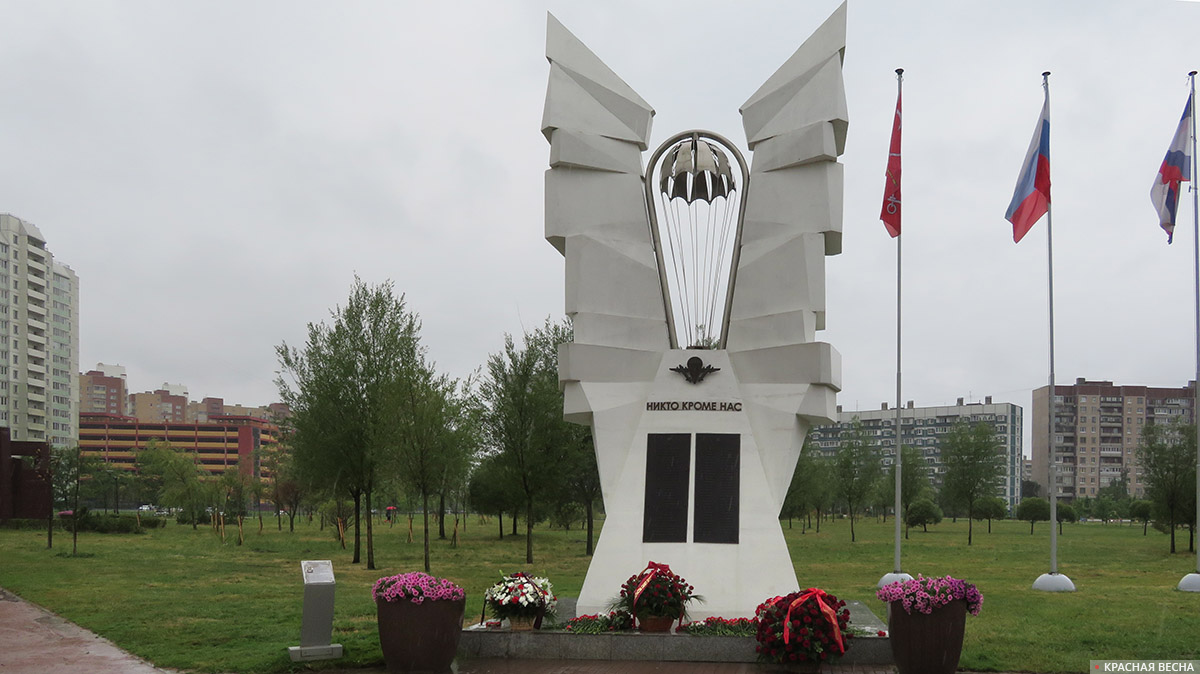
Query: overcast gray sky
[[217, 173]]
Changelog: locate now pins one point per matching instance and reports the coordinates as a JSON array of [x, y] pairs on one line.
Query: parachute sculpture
[[695, 193]]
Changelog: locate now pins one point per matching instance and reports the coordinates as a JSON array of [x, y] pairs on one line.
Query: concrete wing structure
[[694, 468]]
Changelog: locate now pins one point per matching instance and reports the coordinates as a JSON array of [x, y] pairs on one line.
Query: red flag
[[891, 190]]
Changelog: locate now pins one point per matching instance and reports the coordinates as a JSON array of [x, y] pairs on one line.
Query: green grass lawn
[[182, 599]]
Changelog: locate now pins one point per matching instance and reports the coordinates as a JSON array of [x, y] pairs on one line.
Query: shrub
[[183, 517]]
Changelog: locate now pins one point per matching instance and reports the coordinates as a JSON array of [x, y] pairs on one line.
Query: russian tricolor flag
[[1031, 199], [1176, 168]]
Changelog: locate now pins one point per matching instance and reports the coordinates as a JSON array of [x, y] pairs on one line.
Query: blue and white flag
[[1176, 168]]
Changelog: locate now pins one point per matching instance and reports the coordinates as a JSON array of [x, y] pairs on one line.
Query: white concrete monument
[[696, 446]]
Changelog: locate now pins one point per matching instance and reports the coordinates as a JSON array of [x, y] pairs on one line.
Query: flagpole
[[1191, 582], [1053, 581], [897, 574]]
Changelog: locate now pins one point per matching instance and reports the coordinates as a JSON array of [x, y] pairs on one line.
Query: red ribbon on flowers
[[648, 574], [828, 611]]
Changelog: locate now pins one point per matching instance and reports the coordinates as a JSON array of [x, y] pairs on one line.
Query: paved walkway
[[36, 641]]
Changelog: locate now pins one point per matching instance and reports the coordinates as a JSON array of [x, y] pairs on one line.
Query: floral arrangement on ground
[[416, 587], [721, 627], [808, 626], [594, 623], [923, 595], [656, 592], [520, 595]]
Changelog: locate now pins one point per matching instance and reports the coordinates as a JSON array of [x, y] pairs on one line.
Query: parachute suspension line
[[696, 189], [676, 248]]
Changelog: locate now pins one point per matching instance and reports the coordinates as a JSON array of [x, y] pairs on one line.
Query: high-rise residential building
[[925, 428], [1098, 426], [39, 338], [103, 390]]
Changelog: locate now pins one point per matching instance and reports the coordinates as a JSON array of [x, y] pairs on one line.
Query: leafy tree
[[856, 470], [492, 490], [1034, 509], [580, 477], [523, 417], [342, 390], [1103, 509], [1030, 489], [799, 499], [1167, 455], [435, 435], [914, 479], [1143, 511], [1065, 513], [974, 467], [991, 508], [822, 488], [180, 476], [922, 513]]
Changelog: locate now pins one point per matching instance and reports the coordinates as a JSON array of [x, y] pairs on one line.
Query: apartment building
[[39, 338], [925, 428], [103, 390], [1098, 426]]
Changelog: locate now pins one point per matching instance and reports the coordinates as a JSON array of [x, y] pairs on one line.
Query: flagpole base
[[1053, 582], [1190, 583], [893, 577]]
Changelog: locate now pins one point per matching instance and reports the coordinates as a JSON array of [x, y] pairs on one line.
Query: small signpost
[[316, 627]]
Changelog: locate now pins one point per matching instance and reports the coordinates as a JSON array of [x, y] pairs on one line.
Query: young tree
[[856, 470], [914, 479], [180, 476], [1167, 455], [1034, 509], [974, 467], [523, 417], [1065, 513], [991, 508], [435, 436], [341, 387], [1142, 511], [922, 513]]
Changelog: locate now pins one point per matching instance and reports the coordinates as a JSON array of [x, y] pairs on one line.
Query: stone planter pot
[[419, 637], [655, 623], [927, 644]]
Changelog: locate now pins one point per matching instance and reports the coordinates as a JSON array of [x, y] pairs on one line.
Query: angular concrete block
[[597, 88], [812, 363], [597, 204], [758, 332], [819, 97], [603, 280], [786, 277], [572, 149], [826, 45], [799, 199], [813, 143], [628, 332]]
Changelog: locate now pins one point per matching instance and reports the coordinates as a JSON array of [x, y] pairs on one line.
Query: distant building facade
[[39, 338], [925, 428], [218, 444], [1098, 427], [103, 390]]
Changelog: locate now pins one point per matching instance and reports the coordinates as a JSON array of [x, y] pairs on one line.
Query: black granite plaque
[[668, 463], [718, 467]]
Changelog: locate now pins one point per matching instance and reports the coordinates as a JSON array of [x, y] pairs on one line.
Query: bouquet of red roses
[[808, 626]]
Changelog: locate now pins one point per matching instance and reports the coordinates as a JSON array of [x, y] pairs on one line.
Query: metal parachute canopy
[[696, 202]]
